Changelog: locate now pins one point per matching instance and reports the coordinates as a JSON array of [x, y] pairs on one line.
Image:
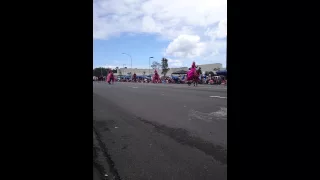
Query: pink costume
[[110, 77], [192, 72]]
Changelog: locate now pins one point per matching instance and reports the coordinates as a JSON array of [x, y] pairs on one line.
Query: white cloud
[[175, 63], [113, 66], [192, 46], [217, 32], [195, 28], [109, 66], [186, 46], [164, 17]]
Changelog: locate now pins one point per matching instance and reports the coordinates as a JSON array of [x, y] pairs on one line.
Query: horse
[[195, 79], [193, 75]]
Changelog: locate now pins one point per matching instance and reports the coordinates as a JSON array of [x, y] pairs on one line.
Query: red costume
[[134, 77], [156, 78]]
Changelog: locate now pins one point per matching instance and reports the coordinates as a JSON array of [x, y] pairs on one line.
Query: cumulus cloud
[[164, 17], [186, 46], [191, 46], [196, 29]]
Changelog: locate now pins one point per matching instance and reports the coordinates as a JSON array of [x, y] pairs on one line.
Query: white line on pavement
[[218, 97]]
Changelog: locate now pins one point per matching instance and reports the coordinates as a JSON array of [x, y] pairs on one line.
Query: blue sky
[[159, 28], [140, 47]]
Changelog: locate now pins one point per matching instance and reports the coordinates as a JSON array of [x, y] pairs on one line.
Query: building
[[204, 67]]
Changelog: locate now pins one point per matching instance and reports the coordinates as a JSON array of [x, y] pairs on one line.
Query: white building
[[204, 67]]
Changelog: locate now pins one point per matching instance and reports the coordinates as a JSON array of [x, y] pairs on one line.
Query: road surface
[[160, 131]]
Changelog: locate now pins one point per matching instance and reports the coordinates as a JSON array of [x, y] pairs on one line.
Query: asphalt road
[[160, 132]]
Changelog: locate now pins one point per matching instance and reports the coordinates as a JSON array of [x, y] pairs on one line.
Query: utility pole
[[149, 64], [130, 58]]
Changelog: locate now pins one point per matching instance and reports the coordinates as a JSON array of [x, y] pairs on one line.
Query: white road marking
[[218, 97], [134, 87], [204, 87], [213, 117]]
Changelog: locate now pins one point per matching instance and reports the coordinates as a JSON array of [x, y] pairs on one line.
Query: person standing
[[134, 77]]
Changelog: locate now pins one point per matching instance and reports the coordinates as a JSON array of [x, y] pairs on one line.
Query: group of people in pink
[[192, 76]]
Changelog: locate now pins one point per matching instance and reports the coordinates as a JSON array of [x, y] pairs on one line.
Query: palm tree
[[165, 66]]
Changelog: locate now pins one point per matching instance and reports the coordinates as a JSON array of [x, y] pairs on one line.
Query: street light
[[149, 64], [226, 52], [130, 58]]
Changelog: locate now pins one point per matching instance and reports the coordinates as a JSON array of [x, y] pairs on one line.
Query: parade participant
[[198, 76], [192, 71], [134, 77], [156, 78], [110, 77], [100, 79], [199, 73], [192, 74]]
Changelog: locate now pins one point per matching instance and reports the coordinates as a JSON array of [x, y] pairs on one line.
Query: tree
[[164, 66], [100, 71], [115, 70], [155, 65]]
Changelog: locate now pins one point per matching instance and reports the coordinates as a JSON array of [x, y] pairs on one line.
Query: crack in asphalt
[[179, 135], [100, 146], [183, 137]]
